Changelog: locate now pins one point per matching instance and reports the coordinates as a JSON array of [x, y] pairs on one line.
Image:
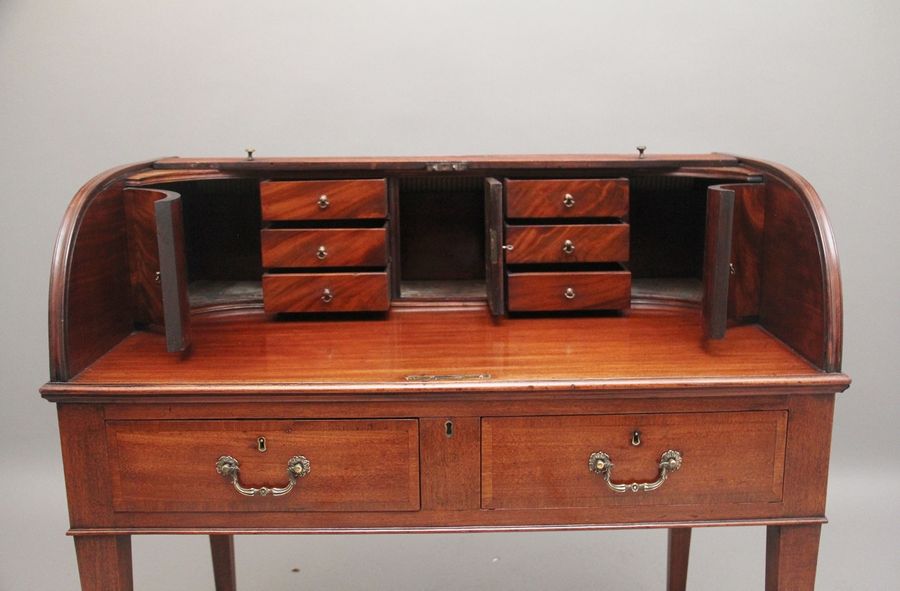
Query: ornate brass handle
[[323, 202], [230, 468], [321, 253], [568, 247], [600, 464], [569, 200]]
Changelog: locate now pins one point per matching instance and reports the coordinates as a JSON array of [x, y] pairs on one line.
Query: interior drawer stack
[[566, 241], [324, 246]]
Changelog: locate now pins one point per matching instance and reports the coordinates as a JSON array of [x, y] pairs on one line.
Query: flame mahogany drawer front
[[576, 243], [550, 291], [543, 462], [324, 247], [325, 292], [353, 465], [567, 198], [323, 200]]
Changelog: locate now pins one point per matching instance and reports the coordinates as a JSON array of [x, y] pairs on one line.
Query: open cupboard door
[[494, 267], [158, 265]]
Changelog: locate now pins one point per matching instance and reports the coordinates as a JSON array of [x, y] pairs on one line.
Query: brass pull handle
[[568, 247], [569, 200], [327, 295], [600, 464], [323, 202], [321, 253], [230, 469], [569, 293]]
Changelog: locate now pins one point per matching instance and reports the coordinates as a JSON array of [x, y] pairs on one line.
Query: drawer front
[[543, 462], [354, 465], [323, 200], [595, 290], [567, 198], [581, 243], [358, 247], [325, 292]]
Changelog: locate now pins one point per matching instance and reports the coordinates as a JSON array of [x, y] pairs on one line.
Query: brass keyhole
[[636, 438], [261, 444], [448, 428]]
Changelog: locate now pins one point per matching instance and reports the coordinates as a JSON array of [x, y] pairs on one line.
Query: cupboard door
[[173, 271], [493, 201], [717, 260]]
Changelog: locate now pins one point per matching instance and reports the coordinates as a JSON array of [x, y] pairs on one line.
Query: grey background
[[87, 85]]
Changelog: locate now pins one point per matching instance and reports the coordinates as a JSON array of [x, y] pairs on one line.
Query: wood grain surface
[[306, 292], [546, 198], [549, 291], [590, 243], [347, 199], [343, 247]]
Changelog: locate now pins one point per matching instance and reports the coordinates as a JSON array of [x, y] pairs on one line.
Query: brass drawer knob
[[323, 202], [321, 253], [569, 293], [600, 464], [327, 295], [230, 469], [568, 247], [569, 200]]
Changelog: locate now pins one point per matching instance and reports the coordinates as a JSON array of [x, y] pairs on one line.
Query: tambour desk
[[455, 344]]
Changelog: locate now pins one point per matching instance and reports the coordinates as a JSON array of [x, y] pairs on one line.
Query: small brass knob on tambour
[[569, 200], [321, 253], [323, 202], [249, 153], [569, 293], [327, 295], [640, 150], [568, 247]]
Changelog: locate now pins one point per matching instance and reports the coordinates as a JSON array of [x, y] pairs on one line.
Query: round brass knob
[[568, 247], [321, 253], [323, 202], [327, 295], [569, 293], [569, 200]]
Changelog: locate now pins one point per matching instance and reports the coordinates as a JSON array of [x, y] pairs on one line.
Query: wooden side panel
[[143, 255], [324, 247], [574, 243], [450, 452], [716, 260], [746, 249], [355, 465], [86, 465], [792, 301], [173, 271], [496, 288]]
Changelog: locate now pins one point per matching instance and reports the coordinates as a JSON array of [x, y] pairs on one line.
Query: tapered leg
[[104, 563], [791, 553], [223, 562], [679, 550]]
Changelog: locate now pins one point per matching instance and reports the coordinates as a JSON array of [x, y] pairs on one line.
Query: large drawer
[[568, 198], [543, 462], [354, 465], [324, 247], [325, 292], [323, 200], [574, 243], [581, 290]]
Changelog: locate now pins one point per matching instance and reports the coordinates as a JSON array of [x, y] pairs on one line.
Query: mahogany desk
[[455, 344]]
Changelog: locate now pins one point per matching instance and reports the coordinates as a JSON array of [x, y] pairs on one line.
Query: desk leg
[[791, 553], [223, 562], [679, 550], [104, 563]]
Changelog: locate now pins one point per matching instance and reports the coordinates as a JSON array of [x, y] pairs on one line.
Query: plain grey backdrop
[[86, 85]]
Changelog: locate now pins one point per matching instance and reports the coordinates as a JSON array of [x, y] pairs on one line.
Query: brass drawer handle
[[569, 200], [321, 253], [230, 468], [323, 202], [600, 464], [568, 247], [327, 295], [569, 293]]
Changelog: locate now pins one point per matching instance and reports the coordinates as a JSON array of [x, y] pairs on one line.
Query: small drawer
[[325, 292], [356, 247], [571, 198], [323, 200], [577, 243], [351, 465], [589, 290], [546, 462]]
